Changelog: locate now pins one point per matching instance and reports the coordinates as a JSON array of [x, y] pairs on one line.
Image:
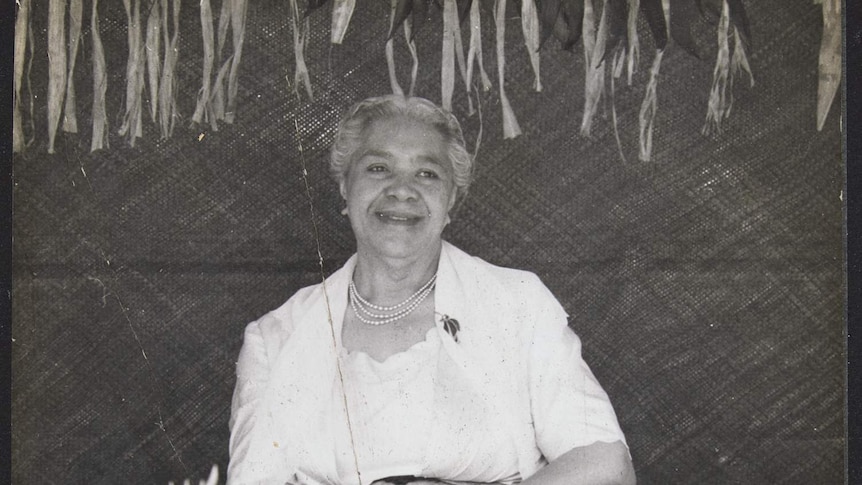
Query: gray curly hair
[[348, 138]]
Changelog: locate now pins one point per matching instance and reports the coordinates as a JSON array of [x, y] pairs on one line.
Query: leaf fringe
[[594, 48], [22, 24], [659, 21], [618, 61], [447, 60], [152, 47], [510, 123], [100, 85], [70, 118], [739, 60], [634, 49], [217, 98], [342, 11], [32, 119], [719, 104], [532, 37], [829, 65], [134, 74], [649, 107], [203, 110], [390, 53], [239, 15], [475, 49], [300, 27], [56, 66], [411, 46], [459, 57], [167, 97]]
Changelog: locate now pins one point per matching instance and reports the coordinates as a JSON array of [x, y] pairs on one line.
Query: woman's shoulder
[[279, 324], [520, 281]]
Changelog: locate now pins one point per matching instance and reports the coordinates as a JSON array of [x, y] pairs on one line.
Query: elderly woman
[[416, 362]]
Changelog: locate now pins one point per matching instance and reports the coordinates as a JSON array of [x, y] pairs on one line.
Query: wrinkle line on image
[[326, 296]]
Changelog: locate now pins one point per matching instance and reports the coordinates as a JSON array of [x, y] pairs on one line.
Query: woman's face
[[399, 188]]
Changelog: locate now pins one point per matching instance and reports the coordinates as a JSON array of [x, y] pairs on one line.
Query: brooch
[[452, 326]]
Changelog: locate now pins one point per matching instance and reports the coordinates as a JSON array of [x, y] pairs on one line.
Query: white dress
[[511, 394], [392, 414]]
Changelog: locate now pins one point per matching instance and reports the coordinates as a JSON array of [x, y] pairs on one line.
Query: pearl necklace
[[362, 308]]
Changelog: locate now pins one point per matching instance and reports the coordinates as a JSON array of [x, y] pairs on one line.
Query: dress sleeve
[[570, 408], [252, 376]]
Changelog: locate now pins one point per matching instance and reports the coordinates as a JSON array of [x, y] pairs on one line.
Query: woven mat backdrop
[[707, 285]]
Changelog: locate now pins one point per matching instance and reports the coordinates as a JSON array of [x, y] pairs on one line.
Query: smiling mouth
[[397, 218]]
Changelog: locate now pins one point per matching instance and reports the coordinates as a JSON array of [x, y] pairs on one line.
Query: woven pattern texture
[[706, 285]]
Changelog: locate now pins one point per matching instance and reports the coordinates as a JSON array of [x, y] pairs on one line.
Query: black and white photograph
[[464, 242]]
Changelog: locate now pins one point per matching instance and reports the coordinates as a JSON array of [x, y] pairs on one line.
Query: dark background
[[707, 285]]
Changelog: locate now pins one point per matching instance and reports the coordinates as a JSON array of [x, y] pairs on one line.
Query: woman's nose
[[401, 188]]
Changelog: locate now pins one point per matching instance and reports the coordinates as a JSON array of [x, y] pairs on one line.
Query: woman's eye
[[376, 168], [428, 174]]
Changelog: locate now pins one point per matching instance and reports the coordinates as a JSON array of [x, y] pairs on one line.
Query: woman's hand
[[596, 464], [415, 481], [424, 481], [404, 480]]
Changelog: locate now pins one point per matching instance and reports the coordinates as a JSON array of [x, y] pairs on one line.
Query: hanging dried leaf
[[224, 18], [510, 123], [342, 11], [390, 54], [239, 14], [594, 48], [300, 28], [217, 100], [719, 107], [153, 46], [447, 62], [70, 118], [619, 57], [30, 105], [649, 106], [56, 65], [830, 60], [632, 37], [134, 73], [459, 57], [589, 29], [414, 54], [100, 84], [217, 96], [530, 28], [167, 95], [739, 60], [22, 24], [203, 110], [475, 50], [646, 117]]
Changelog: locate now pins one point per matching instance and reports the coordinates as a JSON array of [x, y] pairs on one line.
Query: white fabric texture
[[510, 395]]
